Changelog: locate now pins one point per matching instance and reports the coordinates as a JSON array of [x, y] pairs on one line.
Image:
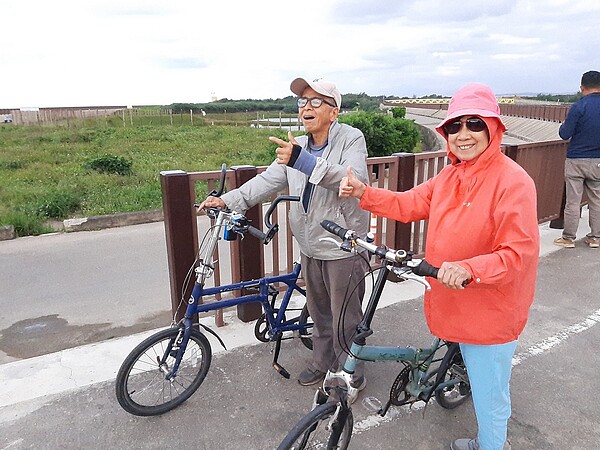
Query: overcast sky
[[149, 52]]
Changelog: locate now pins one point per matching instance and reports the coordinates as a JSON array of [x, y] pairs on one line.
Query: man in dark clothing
[[582, 167]]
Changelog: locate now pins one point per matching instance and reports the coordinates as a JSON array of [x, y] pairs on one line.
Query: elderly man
[[311, 167]]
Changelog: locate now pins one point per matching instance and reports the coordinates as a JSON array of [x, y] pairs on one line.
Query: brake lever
[[330, 239], [406, 274], [345, 245]]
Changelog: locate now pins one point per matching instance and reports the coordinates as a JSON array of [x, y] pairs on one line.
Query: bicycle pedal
[[281, 371], [372, 404], [460, 372]]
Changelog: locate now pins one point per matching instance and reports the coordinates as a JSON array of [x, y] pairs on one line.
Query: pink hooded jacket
[[483, 215]]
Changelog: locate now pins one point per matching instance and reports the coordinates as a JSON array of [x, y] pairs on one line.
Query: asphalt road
[[244, 404]]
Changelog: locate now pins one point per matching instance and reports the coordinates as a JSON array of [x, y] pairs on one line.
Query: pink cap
[[474, 99]]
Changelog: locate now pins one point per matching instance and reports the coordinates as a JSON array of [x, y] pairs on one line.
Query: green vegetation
[[111, 164], [384, 134], [564, 98], [54, 172], [287, 105]]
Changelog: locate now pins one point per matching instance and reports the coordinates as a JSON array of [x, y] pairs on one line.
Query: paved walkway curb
[[112, 220]]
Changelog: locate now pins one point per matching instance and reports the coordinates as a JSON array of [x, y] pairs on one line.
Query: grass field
[[57, 172]]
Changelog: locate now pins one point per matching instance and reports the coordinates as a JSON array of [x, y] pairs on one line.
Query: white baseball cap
[[321, 86]]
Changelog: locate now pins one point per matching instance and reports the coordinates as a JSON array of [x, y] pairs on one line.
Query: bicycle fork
[[176, 349]]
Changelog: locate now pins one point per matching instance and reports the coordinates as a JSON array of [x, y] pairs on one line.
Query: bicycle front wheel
[[321, 428], [142, 387], [454, 370]]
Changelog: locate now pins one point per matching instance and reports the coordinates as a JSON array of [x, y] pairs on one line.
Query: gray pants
[[582, 174], [328, 285]]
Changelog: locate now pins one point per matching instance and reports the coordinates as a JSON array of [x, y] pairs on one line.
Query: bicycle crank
[[398, 394]]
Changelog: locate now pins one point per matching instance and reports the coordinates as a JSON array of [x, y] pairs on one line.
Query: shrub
[[385, 135], [11, 165], [26, 224], [110, 164], [57, 205], [399, 112]]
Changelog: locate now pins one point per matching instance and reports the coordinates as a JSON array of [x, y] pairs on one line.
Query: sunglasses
[[474, 124], [315, 102]]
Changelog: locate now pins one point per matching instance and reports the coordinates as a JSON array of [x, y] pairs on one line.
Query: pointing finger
[[277, 141], [291, 138]]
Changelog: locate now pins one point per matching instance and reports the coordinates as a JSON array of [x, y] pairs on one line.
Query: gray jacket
[[346, 147]]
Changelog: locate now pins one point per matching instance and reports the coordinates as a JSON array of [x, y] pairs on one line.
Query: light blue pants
[[489, 368]]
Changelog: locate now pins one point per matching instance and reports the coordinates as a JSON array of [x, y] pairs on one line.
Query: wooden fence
[[552, 113], [543, 161]]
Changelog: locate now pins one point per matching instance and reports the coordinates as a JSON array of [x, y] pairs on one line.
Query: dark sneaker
[[472, 444], [355, 388], [565, 242], [592, 242], [310, 376]]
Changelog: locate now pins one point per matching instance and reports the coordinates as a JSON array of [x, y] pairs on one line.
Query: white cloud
[[101, 52]]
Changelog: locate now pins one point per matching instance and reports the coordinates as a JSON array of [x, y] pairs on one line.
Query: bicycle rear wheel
[[141, 385], [319, 429], [453, 368]]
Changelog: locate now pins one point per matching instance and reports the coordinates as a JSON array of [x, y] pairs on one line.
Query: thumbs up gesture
[[351, 186]]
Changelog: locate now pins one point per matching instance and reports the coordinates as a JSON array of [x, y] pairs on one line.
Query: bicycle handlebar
[[423, 269], [391, 255], [219, 191], [253, 231], [272, 228]]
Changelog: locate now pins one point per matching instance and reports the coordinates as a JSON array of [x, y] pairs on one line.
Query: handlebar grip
[[334, 228], [253, 231], [424, 269], [221, 188]]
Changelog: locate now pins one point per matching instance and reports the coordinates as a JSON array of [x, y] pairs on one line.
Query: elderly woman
[[482, 228]]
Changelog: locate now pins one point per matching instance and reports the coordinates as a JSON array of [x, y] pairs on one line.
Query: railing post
[[251, 252], [181, 234], [511, 151], [405, 181]]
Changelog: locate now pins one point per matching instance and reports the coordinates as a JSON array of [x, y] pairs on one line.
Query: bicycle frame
[[330, 422], [167, 367], [278, 324], [418, 359]]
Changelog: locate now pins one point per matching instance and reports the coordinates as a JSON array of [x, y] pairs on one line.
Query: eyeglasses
[[474, 124], [315, 102]]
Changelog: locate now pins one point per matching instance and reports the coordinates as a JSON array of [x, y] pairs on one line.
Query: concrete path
[[65, 399]]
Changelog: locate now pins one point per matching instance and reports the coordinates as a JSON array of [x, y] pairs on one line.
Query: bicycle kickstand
[[279, 369]]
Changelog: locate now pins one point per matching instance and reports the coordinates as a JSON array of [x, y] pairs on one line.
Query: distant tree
[[360, 102], [399, 112], [558, 98], [384, 134]]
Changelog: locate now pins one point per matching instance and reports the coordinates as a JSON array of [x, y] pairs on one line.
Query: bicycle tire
[[141, 386], [305, 333], [453, 367], [311, 432]]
